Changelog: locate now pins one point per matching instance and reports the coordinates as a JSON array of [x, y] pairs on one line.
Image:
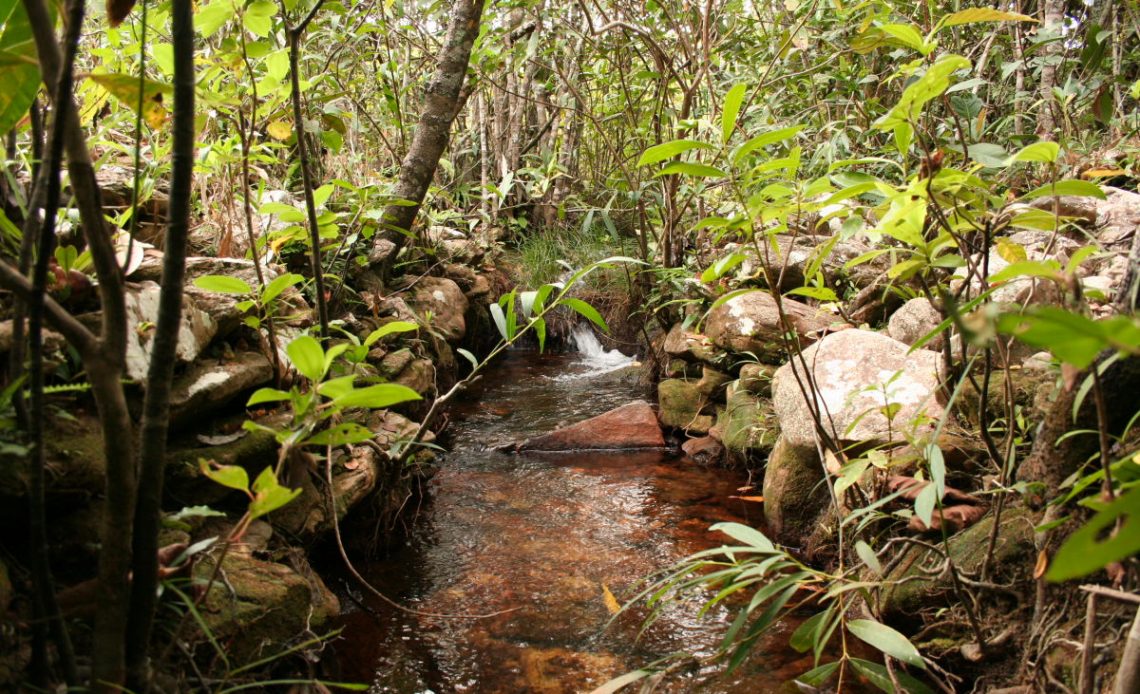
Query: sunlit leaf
[[668, 150], [886, 640], [975, 15], [280, 130], [307, 357], [223, 284], [231, 476], [1067, 187], [1044, 152], [377, 396], [732, 102], [1093, 546]]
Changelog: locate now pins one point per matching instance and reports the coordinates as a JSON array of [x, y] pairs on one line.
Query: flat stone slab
[[631, 426]]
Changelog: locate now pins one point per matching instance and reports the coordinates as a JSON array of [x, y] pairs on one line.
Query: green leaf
[[336, 387], [263, 395], [975, 15], [269, 495], [1044, 152], [377, 396], [468, 356], [732, 102], [763, 140], [817, 676], [258, 17], [1047, 269], [931, 85], [540, 333], [398, 326], [817, 293], [341, 434], [692, 169], [907, 35], [745, 534], [668, 150], [803, 638], [721, 267], [231, 476], [1067, 187], [500, 321], [1093, 546], [868, 556], [20, 69], [223, 284], [211, 17], [988, 154], [887, 640], [586, 311], [924, 504], [307, 357], [278, 285], [879, 676], [1071, 337]]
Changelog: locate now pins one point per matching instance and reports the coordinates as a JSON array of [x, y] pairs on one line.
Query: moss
[[680, 404], [795, 494], [747, 424], [185, 481], [1030, 387]]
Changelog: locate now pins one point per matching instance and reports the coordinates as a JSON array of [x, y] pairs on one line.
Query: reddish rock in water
[[704, 451], [633, 425]]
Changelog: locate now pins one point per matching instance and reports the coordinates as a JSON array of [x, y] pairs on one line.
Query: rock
[[914, 320], [446, 304], [419, 375], [712, 382], [679, 368], [195, 332], [751, 323], [705, 450], [480, 290], [391, 428], [680, 404], [392, 363], [795, 492], [188, 486], [690, 346], [757, 378], [462, 275], [851, 369], [633, 425], [1118, 217], [355, 478], [793, 255], [1030, 386], [260, 605], [747, 424], [53, 341], [210, 384], [909, 590]]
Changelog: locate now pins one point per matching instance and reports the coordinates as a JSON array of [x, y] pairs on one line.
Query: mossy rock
[[680, 405], [795, 492], [185, 481], [712, 382], [912, 591], [757, 379], [747, 425], [1031, 388], [255, 608]]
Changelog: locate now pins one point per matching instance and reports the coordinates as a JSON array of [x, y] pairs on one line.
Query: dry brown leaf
[[612, 605], [1042, 565], [955, 518], [757, 499]]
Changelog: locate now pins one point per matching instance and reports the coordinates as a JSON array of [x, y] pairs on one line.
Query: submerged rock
[[706, 450], [751, 323], [630, 426]]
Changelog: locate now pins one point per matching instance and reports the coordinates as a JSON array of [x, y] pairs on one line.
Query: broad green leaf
[[307, 357], [398, 326], [907, 35], [1044, 152], [231, 476], [211, 17], [1067, 187], [868, 556], [540, 333], [1047, 269], [732, 103], [975, 15], [692, 169], [586, 311], [887, 640], [803, 638], [924, 504], [258, 17], [271, 497], [763, 140], [223, 284], [721, 267], [377, 396], [336, 387], [1071, 337], [988, 154], [668, 150], [932, 84], [263, 395], [20, 69], [817, 293], [1093, 547], [745, 534], [341, 434], [280, 284]]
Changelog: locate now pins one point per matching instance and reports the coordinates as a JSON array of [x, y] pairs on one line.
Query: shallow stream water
[[538, 536]]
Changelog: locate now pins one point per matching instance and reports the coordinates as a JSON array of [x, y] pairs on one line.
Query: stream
[[538, 536]]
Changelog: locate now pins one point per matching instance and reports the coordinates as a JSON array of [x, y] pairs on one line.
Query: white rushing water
[[595, 359]]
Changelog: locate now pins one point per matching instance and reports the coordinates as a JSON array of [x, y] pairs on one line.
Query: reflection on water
[[540, 535]]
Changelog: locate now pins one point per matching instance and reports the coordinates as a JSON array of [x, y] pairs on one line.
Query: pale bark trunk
[[1053, 15]]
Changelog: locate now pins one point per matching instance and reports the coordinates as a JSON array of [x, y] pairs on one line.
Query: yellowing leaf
[[1103, 173], [757, 499], [611, 602], [1010, 251], [975, 15], [280, 129], [125, 88], [1042, 564]]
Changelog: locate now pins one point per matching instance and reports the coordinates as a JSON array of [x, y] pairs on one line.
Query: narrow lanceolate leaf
[[377, 396], [586, 311], [887, 640], [975, 15], [668, 150], [732, 102], [693, 169], [223, 284], [1067, 187]]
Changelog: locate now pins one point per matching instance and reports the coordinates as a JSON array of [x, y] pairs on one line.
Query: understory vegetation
[[885, 256]]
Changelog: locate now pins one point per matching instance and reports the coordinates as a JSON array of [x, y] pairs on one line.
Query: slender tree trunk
[[488, 209], [156, 405], [1052, 17], [442, 101]]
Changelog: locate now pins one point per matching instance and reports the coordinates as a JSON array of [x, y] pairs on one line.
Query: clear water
[[539, 536]]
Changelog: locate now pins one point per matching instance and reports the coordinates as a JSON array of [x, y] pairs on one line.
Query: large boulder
[[195, 331], [633, 425], [445, 302], [913, 321], [747, 425], [795, 492], [791, 257], [355, 477], [751, 323], [690, 346], [210, 384], [680, 405], [860, 377], [260, 606]]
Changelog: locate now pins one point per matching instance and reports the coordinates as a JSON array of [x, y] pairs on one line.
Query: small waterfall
[[596, 358]]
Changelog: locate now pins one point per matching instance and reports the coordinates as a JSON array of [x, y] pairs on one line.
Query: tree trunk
[[442, 101], [1052, 16]]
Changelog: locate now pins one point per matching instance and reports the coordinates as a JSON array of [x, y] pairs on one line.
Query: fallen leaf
[[280, 129], [611, 602], [757, 499], [955, 518], [1042, 565]]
